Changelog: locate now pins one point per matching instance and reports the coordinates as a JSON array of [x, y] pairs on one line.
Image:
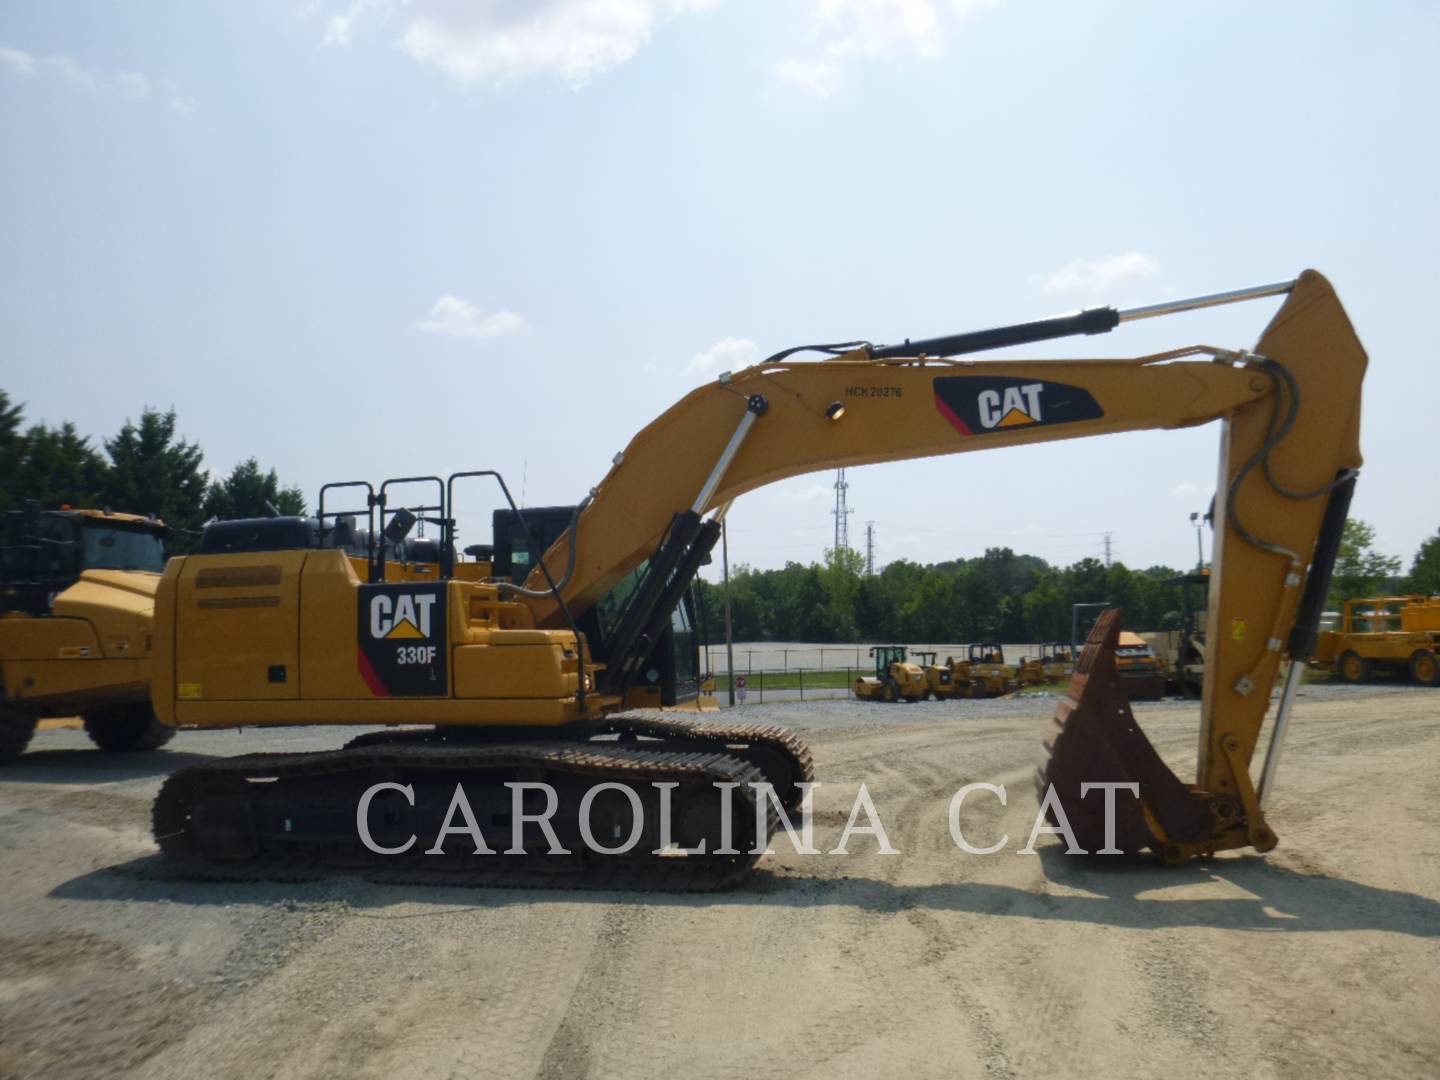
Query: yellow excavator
[[524, 678], [76, 589]]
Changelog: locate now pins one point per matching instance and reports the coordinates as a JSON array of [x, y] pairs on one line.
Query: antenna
[[842, 513], [869, 548], [1107, 549]]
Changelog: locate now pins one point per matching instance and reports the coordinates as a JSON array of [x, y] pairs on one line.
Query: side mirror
[[399, 527]]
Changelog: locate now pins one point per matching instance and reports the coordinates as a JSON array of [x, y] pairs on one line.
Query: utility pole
[[842, 513], [1107, 549], [729, 638], [869, 549]]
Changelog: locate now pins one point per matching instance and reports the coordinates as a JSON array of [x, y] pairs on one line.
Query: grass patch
[[834, 679]]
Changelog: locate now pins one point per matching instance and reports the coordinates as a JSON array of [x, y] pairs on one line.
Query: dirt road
[[1320, 959]]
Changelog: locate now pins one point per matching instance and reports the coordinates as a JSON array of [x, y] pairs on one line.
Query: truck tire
[[124, 729], [16, 727], [1424, 668], [1353, 667]]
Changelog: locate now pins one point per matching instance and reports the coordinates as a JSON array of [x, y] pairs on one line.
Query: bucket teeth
[[1094, 739]]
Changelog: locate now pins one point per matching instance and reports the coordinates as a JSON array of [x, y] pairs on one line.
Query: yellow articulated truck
[[77, 589], [1390, 635]]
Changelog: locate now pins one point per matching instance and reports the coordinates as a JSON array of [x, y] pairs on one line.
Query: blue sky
[[365, 239]]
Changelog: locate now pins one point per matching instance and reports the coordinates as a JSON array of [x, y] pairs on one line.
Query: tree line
[[997, 596], [144, 468], [147, 468]]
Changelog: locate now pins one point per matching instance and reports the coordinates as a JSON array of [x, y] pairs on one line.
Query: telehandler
[[76, 590], [520, 681]]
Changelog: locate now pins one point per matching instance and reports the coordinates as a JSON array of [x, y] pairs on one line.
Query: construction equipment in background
[[989, 675], [1384, 635], [76, 592], [1053, 662], [895, 678], [1142, 675], [1181, 651], [524, 682], [1029, 672], [939, 678], [1057, 661]]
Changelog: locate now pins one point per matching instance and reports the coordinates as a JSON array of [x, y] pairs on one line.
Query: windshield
[[110, 548]]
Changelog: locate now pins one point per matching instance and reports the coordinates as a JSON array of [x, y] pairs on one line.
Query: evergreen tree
[[153, 472], [11, 444], [58, 466], [249, 493]]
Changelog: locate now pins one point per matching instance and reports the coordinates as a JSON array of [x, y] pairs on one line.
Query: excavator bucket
[[1094, 739]]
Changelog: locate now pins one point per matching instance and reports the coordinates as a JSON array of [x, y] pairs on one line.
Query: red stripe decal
[[369, 674], [950, 414]]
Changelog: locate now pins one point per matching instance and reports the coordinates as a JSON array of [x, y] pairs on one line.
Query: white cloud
[[820, 79], [134, 84], [882, 27], [727, 354], [18, 59], [73, 72], [454, 317], [513, 39], [1090, 277], [338, 28], [874, 29]]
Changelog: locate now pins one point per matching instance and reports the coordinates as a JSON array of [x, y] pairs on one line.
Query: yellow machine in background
[[939, 678], [895, 678], [1141, 672], [1181, 651], [1057, 661], [523, 676], [989, 674], [76, 592], [1394, 635], [1029, 671]]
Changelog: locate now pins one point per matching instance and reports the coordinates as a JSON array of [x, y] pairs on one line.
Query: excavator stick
[[1094, 740]]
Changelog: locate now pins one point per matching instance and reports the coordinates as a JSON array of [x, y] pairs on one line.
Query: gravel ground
[[1319, 959]]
